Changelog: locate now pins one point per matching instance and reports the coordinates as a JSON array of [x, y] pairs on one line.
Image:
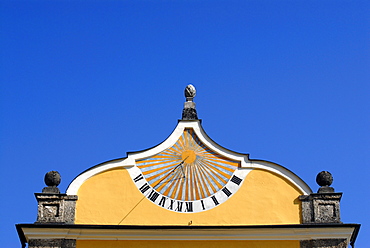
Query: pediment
[[188, 172]]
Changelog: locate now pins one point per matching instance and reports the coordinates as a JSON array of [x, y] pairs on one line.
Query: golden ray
[[188, 170]]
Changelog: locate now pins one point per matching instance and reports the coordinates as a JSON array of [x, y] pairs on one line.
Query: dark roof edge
[[22, 238], [354, 234], [138, 227], [85, 226]]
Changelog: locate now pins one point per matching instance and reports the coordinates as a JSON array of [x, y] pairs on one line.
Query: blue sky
[[83, 82]]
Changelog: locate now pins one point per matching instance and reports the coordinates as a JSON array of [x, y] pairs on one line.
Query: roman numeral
[[236, 180], [179, 206], [138, 178], [170, 207], [226, 191], [188, 207], [215, 200], [153, 196], [144, 188], [201, 201], [162, 201]]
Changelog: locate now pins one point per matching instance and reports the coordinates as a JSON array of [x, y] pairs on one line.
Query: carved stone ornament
[[54, 207], [324, 243], [52, 180], [190, 91], [52, 243], [189, 112], [322, 207], [325, 179]]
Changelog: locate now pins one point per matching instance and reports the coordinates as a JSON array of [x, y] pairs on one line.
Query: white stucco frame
[[245, 162]]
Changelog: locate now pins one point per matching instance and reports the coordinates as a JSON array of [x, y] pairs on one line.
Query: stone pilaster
[[52, 243], [324, 243], [56, 208], [321, 208]]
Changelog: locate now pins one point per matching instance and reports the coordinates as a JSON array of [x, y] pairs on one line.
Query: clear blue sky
[[83, 82]]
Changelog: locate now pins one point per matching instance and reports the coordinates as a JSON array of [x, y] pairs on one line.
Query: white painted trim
[[282, 171], [272, 233], [171, 140], [79, 180]]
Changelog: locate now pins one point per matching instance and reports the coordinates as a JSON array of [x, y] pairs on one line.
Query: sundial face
[[188, 176]]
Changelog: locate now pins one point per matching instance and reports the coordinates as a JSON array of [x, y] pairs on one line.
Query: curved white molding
[[245, 162], [282, 171], [80, 179]]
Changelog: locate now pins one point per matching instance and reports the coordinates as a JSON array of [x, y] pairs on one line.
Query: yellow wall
[[112, 198], [184, 244]]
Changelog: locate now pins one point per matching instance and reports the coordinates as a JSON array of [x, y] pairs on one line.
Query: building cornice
[[250, 232]]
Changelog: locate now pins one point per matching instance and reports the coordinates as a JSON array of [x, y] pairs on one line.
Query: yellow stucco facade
[[111, 198], [226, 189]]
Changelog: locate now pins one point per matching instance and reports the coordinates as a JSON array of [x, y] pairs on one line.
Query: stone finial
[[54, 207], [190, 92], [189, 112], [325, 179], [323, 206], [52, 180]]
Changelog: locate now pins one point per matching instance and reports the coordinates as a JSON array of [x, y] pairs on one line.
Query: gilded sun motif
[[188, 170]]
